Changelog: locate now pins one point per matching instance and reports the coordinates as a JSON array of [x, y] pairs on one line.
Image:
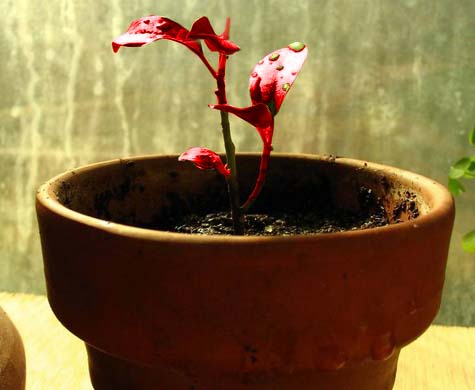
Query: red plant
[[270, 81], [205, 159]]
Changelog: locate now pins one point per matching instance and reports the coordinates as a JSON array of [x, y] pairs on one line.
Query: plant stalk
[[233, 186]]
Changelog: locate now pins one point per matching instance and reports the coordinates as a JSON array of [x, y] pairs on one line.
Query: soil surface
[[325, 218], [282, 224]]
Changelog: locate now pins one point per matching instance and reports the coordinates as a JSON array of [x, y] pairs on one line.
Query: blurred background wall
[[387, 81]]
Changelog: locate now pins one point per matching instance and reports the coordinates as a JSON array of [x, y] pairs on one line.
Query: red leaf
[[202, 29], [152, 28], [257, 115], [273, 76], [205, 159], [261, 178], [227, 27]]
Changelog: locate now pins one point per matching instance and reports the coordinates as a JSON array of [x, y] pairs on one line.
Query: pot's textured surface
[[176, 311], [12, 356]]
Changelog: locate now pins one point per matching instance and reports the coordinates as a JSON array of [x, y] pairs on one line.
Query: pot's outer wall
[[227, 305]]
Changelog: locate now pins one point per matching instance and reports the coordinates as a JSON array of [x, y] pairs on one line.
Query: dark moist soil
[[280, 224], [326, 219]]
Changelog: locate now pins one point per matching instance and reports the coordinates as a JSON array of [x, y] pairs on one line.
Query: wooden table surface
[[441, 359]]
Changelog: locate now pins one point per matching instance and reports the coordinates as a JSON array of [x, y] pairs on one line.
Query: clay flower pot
[[12, 356], [160, 310]]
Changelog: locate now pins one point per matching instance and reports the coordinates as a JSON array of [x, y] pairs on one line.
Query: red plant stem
[[261, 178], [233, 187], [208, 66]]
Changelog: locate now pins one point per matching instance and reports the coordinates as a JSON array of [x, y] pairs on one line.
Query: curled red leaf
[[257, 115], [202, 29], [152, 28], [273, 76], [205, 159]]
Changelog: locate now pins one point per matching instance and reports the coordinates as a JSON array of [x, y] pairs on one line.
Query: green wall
[[387, 81]]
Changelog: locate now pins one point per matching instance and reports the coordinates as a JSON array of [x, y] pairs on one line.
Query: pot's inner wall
[[150, 192]]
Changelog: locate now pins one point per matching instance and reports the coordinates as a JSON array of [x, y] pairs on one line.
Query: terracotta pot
[[12, 356], [160, 310]]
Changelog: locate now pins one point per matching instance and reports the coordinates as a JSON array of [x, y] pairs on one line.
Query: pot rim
[[441, 200]]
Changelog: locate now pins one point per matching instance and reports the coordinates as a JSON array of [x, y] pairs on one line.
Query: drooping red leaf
[[152, 28], [273, 76], [261, 178], [257, 115], [202, 29], [204, 158]]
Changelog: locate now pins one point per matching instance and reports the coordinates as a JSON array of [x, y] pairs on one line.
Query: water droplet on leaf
[[260, 62], [286, 87], [274, 57], [297, 46], [254, 74], [280, 67]]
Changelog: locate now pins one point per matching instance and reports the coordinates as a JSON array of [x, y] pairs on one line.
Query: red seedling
[[269, 83]]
